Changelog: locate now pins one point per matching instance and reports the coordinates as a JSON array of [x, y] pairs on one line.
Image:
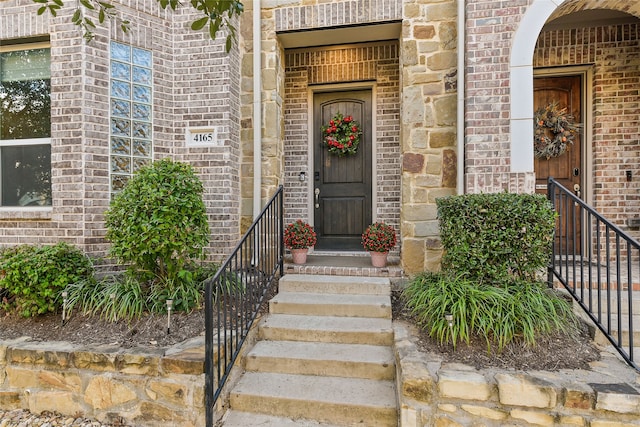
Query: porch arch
[[521, 77], [521, 68]]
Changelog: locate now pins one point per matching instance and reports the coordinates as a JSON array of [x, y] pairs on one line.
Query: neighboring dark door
[[566, 168], [342, 185]]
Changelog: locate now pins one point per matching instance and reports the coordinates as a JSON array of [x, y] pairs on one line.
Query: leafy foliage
[[342, 135], [218, 14], [495, 244], [495, 238], [158, 223], [34, 276], [500, 314]]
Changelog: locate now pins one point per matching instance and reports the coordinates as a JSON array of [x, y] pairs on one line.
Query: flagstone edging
[[434, 393]]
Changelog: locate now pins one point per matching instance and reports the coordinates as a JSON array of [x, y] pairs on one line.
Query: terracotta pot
[[379, 259], [299, 255]]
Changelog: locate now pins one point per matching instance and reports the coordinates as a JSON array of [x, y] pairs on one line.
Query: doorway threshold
[[337, 263]]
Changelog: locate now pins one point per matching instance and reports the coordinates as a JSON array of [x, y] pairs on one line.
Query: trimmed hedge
[[496, 238]]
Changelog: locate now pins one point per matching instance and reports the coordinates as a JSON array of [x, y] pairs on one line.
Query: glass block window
[[130, 112], [25, 125]]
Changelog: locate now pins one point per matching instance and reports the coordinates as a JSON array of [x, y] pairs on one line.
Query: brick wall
[[195, 85], [614, 53], [375, 63], [490, 27]]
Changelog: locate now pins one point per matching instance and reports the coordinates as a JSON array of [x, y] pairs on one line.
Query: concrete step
[[611, 300], [343, 401], [623, 338], [321, 304], [613, 328], [246, 419], [346, 330], [323, 359], [335, 284]]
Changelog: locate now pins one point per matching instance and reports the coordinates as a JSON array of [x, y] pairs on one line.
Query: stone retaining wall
[[432, 393], [146, 388], [166, 386]]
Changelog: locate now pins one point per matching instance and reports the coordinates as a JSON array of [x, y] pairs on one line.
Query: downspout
[[257, 111], [461, 92]]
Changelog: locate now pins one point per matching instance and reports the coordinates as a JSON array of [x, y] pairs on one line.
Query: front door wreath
[[554, 130], [342, 135]]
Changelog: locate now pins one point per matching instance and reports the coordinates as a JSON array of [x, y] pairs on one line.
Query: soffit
[[340, 35]]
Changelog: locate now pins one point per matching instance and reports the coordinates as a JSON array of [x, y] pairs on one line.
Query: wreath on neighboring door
[[554, 130], [342, 135]]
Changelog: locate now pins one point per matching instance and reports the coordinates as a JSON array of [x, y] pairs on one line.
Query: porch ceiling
[[585, 13], [340, 35]]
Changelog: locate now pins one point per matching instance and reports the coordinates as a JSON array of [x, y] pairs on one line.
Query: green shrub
[[496, 238], [35, 275], [495, 245], [500, 314], [158, 223]]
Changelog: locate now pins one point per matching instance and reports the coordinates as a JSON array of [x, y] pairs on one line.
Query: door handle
[[576, 189], [317, 193]]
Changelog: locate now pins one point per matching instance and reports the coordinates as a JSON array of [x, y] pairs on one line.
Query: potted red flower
[[299, 236], [379, 238]]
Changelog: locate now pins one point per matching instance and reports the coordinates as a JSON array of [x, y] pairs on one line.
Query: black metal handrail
[[234, 295], [597, 263]]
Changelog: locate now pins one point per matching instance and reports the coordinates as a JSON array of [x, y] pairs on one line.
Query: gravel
[[24, 418]]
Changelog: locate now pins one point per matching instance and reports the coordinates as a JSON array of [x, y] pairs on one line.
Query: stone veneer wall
[[614, 52], [429, 87], [425, 157], [431, 393], [163, 387]]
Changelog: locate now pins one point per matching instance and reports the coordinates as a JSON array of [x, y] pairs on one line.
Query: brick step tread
[[326, 399], [335, 284], [354, 330], [245, 419], [331, 304], [323, 359]]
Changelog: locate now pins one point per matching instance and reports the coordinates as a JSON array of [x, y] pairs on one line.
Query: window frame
[[46, 210]]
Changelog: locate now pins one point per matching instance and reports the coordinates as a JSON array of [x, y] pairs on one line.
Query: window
[[130, 112], [25, 125]]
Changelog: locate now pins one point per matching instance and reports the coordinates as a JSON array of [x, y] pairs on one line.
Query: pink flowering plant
[[299, 235], [379, 237], [342, 135]]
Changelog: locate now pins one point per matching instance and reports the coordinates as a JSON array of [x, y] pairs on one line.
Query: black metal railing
[[235, 294], [599, 264]]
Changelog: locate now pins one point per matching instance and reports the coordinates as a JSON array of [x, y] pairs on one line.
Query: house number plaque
[[202, 137]]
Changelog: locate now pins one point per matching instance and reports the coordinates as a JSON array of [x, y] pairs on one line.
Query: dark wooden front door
[[342, 185], [566, 168]]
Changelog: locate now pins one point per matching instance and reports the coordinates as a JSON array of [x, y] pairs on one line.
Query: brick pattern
[[377, 63], [490, 29], [205, 93], [192, 86], [614, 52], [324, 14]]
